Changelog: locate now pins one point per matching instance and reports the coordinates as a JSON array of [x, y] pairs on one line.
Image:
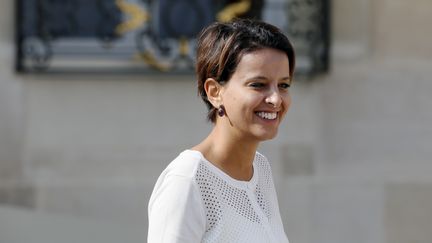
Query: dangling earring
[[221, 111]]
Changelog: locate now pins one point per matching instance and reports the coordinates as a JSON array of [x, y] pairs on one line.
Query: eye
[[284, 85], [256, 85]]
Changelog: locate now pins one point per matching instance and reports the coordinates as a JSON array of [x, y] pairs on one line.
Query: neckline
[[238, 183]]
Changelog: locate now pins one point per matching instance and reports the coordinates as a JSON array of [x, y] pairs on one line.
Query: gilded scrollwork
[[153, 35]]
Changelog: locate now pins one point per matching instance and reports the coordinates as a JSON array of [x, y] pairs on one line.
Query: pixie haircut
[[222, 45]]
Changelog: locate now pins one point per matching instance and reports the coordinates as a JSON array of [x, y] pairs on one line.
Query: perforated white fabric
[[229, 210]]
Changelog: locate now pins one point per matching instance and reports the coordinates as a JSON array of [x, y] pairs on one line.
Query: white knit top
[[194, 201]]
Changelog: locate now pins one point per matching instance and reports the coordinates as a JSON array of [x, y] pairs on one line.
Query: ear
[[213, 90]]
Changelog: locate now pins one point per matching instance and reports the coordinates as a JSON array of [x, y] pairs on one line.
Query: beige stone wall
[[401, 29], [408, 213], [352, 23], [370, 180], [13, 187]]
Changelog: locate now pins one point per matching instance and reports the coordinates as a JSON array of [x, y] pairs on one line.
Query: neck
[[233, 155]]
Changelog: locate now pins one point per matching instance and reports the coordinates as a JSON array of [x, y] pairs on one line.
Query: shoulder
[[175, 208], [178, 176], [264, 170], [177, 184], [184, 165], [261, 161], [260, 155]]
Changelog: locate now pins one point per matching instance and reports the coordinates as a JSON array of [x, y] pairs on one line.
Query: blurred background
[[79, 154]]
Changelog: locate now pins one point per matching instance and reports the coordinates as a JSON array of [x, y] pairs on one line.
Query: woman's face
[[256, 98]]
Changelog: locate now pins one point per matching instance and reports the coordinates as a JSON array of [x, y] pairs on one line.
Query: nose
[[274, 98]]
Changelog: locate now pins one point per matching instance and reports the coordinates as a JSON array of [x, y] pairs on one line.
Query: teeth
[[267, 115]]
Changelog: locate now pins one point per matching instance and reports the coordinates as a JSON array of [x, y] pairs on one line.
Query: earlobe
[[213, 91]]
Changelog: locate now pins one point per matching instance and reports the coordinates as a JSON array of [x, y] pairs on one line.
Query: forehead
[[262, 61]]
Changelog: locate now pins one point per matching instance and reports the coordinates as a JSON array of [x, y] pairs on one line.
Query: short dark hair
[[222, 45]]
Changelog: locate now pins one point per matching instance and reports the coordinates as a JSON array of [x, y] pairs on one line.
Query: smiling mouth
[[267, 115]]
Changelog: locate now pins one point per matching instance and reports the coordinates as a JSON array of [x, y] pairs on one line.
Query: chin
[[266, 135], [269, 137]]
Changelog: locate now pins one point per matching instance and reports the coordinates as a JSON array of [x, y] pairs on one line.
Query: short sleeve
[[176, 212]]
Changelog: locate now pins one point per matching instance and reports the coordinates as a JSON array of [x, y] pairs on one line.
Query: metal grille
[[145, 36]]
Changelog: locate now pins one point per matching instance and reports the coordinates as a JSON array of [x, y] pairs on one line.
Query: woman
[[222, 189]]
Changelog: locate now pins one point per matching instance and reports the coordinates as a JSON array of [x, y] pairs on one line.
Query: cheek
[[244, 102], [287, 102], [253, 102]]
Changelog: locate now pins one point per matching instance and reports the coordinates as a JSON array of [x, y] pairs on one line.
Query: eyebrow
[[264, 78]]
